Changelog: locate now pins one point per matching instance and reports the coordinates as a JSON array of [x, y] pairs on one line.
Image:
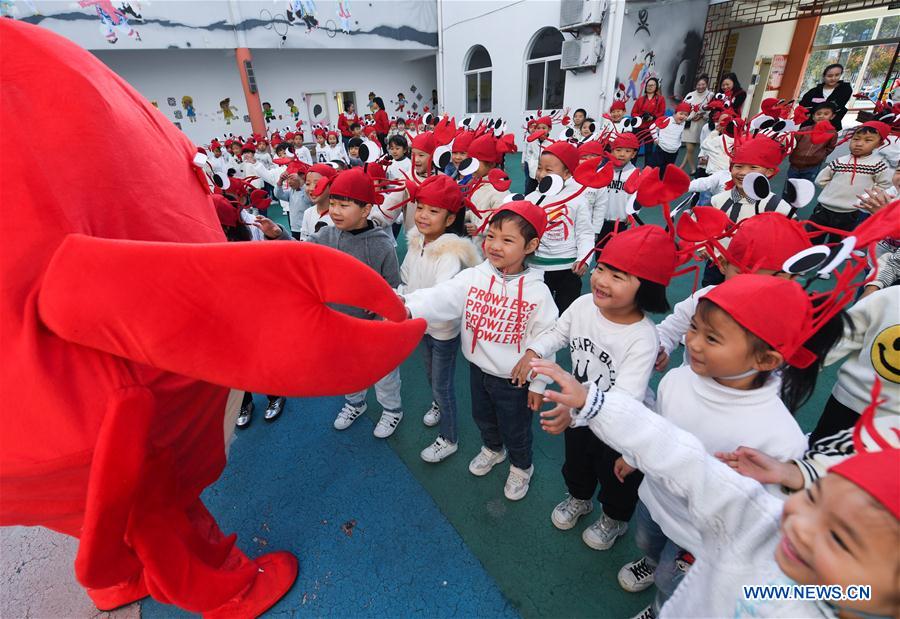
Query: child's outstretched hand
[[269, 228], [471, 229], [621, 469], [662, 360], [572, 394], [535, 400], [522, 369], [763, 468]]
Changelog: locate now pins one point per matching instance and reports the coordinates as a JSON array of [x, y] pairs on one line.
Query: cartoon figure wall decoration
[[344, 16], [111, 19], [293, 109], [187, 103], [227, 110], [400, 102], [268, 112]]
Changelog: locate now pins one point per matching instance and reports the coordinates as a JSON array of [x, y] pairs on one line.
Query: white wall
[[745, 54], [209, 76]]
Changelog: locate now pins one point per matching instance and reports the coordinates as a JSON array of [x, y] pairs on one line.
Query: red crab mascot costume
[[122, 310]]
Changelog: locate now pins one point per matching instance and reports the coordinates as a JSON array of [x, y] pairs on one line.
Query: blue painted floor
[[295, 484]]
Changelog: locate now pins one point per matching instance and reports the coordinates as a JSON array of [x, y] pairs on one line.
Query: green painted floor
[[543, 572]]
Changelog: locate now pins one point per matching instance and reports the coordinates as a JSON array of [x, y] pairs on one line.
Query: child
[[459, 152], [569, 236], [436, 253], [294, 177], [592, 197], [321, 146], [532, 154], [334, 150], [316, 218], [748, 536], [668, 139], [504, 305], [587, 128], [300, 150], [485, 198], [613, 344], [401, 164], [352, 194], [807, 157], [613, 203], [846, 177], [614, 121], [262, 154], [353, 145], [422, 147]]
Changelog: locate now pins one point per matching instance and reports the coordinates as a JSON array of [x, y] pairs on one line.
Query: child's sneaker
[[348, 415], [602, 534], [566, 514], [637, 575], [387, 424], [439, 450], [517, 482], [433, 416], [647, 613], [482, 463]]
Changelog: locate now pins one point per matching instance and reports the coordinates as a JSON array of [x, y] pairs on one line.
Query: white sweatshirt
[[735, 518], [568, 242], [336, 153], [713, 183], [612, 201], [674, 327], [501, 315], [303, 155], [874, 337], [313, 222], [606, 124], [428, 265], [713, 149], [531, 156], [265, 159], [669, 137], [723, 419], [613, 356]]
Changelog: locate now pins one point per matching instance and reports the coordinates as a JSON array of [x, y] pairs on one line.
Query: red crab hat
[[117, 375]]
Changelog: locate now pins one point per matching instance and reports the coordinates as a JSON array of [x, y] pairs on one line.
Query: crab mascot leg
[[123, 336]]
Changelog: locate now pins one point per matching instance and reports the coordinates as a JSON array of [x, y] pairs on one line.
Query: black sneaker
[[245, 416], [273, 412]]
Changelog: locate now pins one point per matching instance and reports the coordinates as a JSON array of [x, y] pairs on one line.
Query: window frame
[[478, 74], [544, 60]]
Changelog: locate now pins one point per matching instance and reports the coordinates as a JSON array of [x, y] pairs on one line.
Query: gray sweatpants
[[387, 392]]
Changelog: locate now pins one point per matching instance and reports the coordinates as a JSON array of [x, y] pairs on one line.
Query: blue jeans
[[440, 363], [500, 410], [807, 173], [661, 552]]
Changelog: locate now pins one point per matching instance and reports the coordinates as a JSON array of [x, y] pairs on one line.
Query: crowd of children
[[708, 474]]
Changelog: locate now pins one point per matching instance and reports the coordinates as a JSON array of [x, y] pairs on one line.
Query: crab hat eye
[[221, 182], [513, 197], [551, 185], [798, 192], [822, 259], [467, 121], [442, 156], [756, 186], [363, 152], [469, 166], [636, 122]]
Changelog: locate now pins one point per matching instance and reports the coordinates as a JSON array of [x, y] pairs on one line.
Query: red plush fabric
[[122, 338]]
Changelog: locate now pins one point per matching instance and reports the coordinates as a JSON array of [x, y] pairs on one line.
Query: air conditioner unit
[[576, 14], [582, 53]]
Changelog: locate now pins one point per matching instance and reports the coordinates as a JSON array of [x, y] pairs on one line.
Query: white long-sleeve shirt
[[673, 328], [611, 355], [501, 315], [736, 520], [304, 155], [669, 137], [723, 419], [713, 183], [313, 221], [427, 265], [567, 242], [612, 201], [713, 149]]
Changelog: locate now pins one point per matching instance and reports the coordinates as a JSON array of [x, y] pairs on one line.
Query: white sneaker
[[387, 424], [637, 575], [566, 514], [517, 482], [485, 460], [647, 613], [603, 534], [439, 450], [433, 416], [348, 415]]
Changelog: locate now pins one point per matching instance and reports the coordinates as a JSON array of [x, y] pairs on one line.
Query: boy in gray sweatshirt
[[352, 195]]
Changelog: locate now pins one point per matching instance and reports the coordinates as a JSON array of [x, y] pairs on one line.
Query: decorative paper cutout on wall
[[187, 102], [113, 20]]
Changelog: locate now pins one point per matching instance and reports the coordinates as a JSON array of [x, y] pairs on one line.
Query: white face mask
[[746, 374]]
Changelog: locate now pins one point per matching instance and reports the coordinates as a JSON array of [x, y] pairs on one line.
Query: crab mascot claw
[[125, 337]]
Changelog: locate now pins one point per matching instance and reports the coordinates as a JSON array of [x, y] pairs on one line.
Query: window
[[478, 81], [546, 82]]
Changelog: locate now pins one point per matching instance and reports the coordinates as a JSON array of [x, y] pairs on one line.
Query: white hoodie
[[566, 243], [501, 315], [428, 265]]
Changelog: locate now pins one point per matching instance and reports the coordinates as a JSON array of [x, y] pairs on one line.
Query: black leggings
[[564, 285], [248, 397], [835, 417]]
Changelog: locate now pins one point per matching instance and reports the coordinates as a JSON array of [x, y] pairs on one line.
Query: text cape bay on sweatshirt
[[500, 315]]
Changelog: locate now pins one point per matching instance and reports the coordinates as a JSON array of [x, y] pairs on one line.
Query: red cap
[[626, 140], [260, 199], [440, 191], [319, 132], [356, 184], [215, 144], [533, 214], [617, 105], [544, 120], [299, 167], [684, 106], [645, 251], [484, 148], [766, 241], [462, 141], [782, 321], [424, 142], [883, 129], [876, 473], [225, 210], [591, 149], [248, 147], [289, 136], [324, 169], [565, 152], [759, 150], [331, 134]]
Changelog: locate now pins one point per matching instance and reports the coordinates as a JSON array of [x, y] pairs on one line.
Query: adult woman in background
[[649, 106], [731, 88], [698, 97], [832, 89], [382, 122]]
